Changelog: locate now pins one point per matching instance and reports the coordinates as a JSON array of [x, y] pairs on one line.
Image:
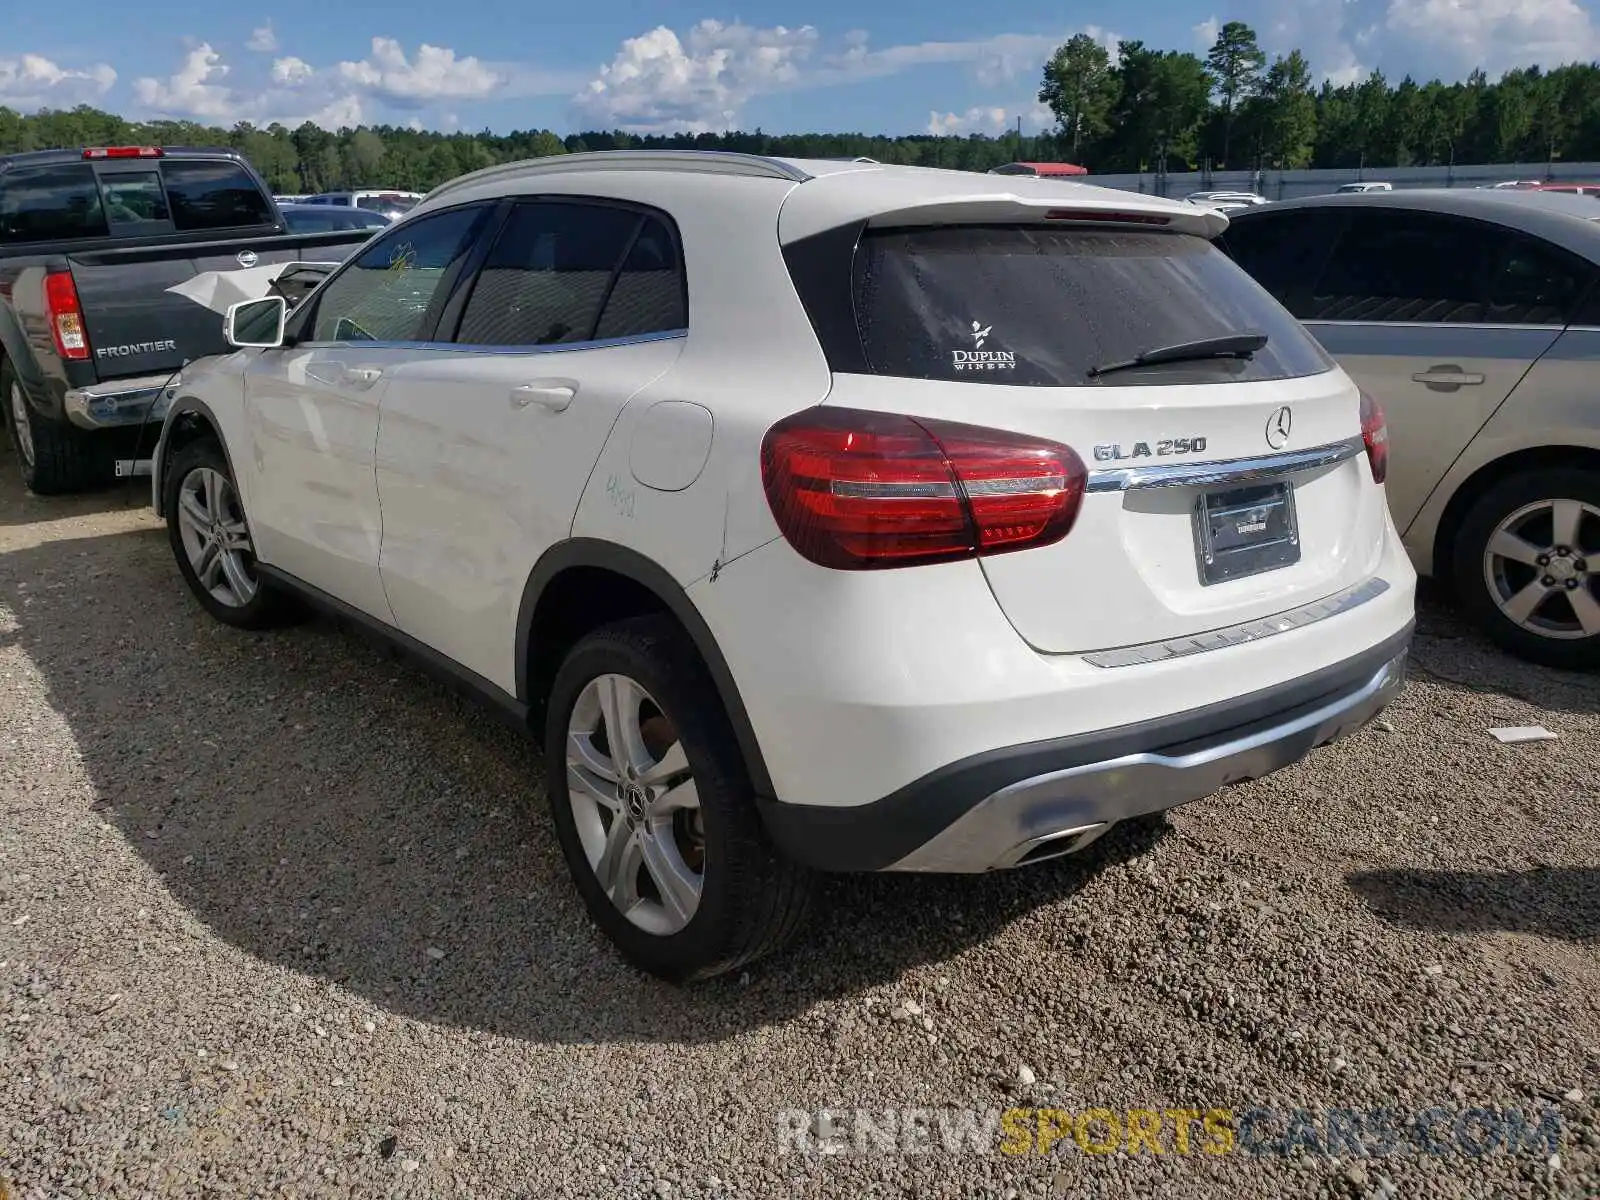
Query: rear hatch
[[1012, 326]]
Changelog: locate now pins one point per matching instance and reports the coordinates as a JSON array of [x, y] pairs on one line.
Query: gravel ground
[[278, 915]]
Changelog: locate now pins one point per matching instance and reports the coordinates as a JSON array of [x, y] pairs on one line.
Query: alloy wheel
[[635, 805], [216, 538], [1541, 566]]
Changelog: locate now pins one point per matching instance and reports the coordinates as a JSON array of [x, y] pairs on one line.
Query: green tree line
[[1141, 109]]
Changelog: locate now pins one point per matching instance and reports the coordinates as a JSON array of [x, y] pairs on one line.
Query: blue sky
[[783, 65]]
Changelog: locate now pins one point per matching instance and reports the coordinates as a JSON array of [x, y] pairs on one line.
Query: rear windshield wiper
[[1234, 345]]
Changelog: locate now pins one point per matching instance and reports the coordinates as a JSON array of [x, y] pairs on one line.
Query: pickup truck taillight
[[65, 315]]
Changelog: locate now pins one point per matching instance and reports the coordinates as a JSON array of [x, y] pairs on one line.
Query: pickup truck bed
[[90, 243]]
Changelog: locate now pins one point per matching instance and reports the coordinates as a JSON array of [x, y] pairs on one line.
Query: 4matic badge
[[979, 359]]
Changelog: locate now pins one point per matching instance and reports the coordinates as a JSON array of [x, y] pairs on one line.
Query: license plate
[[1245, 531]]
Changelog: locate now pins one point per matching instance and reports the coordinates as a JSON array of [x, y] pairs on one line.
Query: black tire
[[752, 899], [1473, 586], [56, 458], [267, 607]]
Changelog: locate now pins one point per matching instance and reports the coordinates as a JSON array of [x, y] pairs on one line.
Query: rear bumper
[[121, 402], [1025, 803]]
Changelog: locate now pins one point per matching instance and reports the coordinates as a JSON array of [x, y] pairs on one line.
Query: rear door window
[[56, 203], [1407, 267], [214, 195], [1043, 306], [564, 272]]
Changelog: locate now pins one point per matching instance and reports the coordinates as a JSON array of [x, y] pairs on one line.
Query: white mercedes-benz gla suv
[[816, 515]]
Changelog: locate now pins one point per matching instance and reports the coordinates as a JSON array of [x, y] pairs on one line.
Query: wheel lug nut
[[1571, 583], [1549, 581], [1543, 560]]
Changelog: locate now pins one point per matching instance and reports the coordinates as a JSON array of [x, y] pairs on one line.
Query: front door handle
[[1447, 377], [553, 394], [360, 377]]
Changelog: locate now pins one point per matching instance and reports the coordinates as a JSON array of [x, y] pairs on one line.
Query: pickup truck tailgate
[[137, 327]]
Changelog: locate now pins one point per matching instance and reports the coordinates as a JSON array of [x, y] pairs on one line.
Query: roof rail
[[713, 162]]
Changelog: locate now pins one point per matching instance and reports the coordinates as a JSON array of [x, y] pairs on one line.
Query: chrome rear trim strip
[[1228, 470], [1248, 631]]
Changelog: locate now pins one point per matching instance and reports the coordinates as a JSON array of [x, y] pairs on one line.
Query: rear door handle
[[1447, 377], [553, 394]]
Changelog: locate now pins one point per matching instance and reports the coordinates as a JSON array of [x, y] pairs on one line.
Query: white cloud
[[263, 40], [194, 90], [206, 88], [659, 82], [291, 70], [32, 81], [1036, 118], [1498, 34], [435, 74], [1205, 33]]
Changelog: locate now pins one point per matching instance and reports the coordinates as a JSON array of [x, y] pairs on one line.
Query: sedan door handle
[[360, 377], [553, 394], [1447, 377]]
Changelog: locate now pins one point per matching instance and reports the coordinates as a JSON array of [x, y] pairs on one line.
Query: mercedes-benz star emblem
[[635, 801], [1278, 426]]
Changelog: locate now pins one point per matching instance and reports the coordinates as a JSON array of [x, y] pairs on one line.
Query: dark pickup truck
[[90, 242]]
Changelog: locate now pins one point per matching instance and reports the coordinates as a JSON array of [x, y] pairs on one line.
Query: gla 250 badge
[[1113, 451]]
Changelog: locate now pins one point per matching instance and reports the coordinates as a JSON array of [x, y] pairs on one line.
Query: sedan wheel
[[215, 537], [1541, 566], [1526, 565], [635, 805]]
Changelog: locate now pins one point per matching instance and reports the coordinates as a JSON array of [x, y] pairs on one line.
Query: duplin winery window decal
[[979, 359]]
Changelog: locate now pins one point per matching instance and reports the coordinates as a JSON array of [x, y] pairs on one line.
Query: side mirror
[[256, 322]]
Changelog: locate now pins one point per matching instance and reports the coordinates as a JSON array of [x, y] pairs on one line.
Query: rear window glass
[[214, 195], [388, 202], [134, 196], [58, 203], [1044, 306]]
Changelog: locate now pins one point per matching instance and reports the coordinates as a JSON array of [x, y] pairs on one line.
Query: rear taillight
[[65, 315], [859, 490], [1375, 433]]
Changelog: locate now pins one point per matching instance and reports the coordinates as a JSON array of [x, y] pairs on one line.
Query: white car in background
[[392, 204], [813, 514], [1356, 189], [1226, 201]]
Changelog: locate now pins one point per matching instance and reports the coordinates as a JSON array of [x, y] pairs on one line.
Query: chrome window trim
[[1246, 631], [469, 348], [1228, 470]]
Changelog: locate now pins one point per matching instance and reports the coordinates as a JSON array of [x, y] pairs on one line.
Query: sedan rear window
[[1047, 306]]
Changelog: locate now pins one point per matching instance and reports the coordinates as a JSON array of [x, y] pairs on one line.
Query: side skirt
[[430, 661]]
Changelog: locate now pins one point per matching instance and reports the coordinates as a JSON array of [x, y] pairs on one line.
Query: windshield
[[1044, 306]]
